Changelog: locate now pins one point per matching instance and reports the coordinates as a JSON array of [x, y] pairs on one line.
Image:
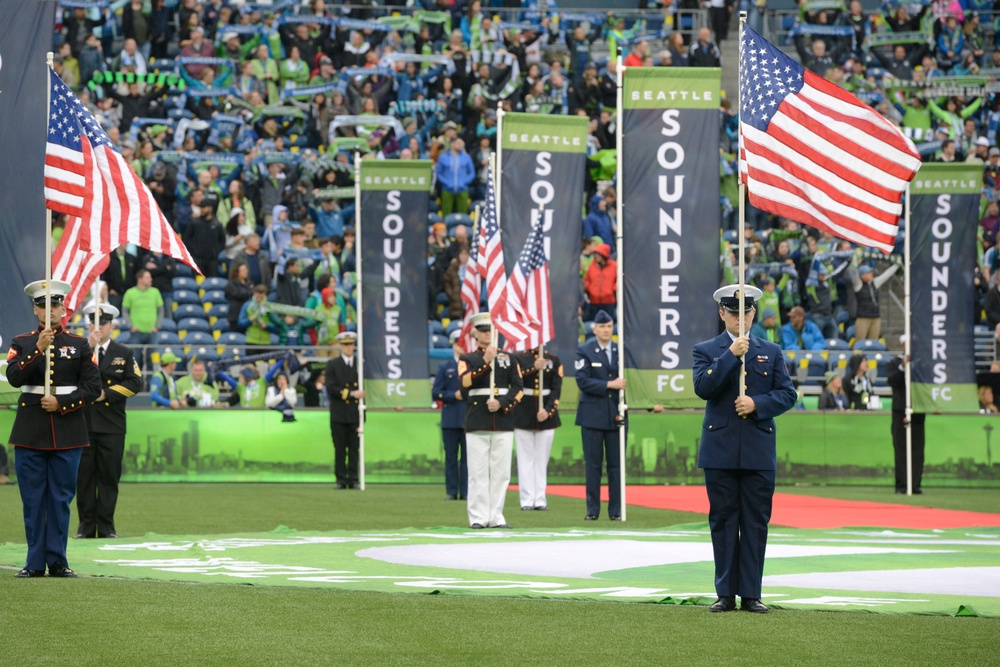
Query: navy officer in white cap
[[737, 448], [345, 393], [50, 429]]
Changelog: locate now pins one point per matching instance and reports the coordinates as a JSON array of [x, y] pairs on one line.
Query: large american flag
[[87, 178], [506, 310], [76, 266], [812, 152], [529, 281], [472, 286]]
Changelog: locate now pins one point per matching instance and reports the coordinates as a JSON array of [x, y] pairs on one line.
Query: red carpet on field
[[797, 511]]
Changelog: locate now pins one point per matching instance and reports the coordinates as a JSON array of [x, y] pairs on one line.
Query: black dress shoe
[[542, 508], [590, 517], [477, 526], [502, 525], [526, 508], [451, 497], [79, 536], [918, 492], [724, 603], [109, 536], [615, 517], [461, 497], [753, 605], [341, 485], [29, 574], [60, 570]]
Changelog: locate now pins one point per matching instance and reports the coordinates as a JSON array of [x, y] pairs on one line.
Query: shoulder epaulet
[[73, 335], [25, 335]]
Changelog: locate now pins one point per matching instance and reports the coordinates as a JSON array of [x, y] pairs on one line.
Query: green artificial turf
[[97, 621]]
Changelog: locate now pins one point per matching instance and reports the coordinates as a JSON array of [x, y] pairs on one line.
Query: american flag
[[87, 178], [472, 286], [813, 153], [506, 310], [529, 282], [76, 266]]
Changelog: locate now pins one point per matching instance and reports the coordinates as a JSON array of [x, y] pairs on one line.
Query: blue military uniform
[[456, 466], [49, 443], [739, 457], [597, 417]]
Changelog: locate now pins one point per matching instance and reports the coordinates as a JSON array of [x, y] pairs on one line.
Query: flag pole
[[360, 312], [497, 182], [743, 215], [620, 288], [48, 236], [907, 346], [541, 346]]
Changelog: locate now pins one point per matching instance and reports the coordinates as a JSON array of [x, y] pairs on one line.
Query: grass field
[[102, 621]]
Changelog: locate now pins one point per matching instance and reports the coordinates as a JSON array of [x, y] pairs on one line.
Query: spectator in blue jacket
[[455, 173], [328, 217], [598, 222], [799, 333]]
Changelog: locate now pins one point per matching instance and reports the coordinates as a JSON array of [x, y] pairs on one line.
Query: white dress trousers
[[489, 475], [533, 451]]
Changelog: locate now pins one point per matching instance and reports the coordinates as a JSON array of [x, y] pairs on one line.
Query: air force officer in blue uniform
[[597, 416], [738, 446], [448, 390]]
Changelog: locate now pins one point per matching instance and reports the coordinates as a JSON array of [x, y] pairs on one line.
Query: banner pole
[[907, 346], [620, 287], [360, 312], [497, 182], [743, 219], [48, 237]]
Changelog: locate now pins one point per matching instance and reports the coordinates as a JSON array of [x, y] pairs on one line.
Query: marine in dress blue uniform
[[597, 416], [737, 448], [49, 430], [101, 463], [448, 390]]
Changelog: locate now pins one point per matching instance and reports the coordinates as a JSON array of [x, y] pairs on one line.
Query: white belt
[[532, 392], [56, 391], [499, 391]]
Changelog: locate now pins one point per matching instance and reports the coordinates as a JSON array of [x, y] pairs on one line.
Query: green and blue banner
[[543, 165], [944, 214], [25, 37], [671, 217], [395, 197]]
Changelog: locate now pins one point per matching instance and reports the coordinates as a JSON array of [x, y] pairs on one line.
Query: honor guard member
[[489, 424], [737, 448], [345, 414], [597, 416], [536, 419], [101, 463], [447, 390], [50, 430]]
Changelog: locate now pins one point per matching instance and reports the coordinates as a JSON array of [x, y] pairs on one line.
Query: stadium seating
[[184, 271], [232, 338], [184, 283], [215, 296], [183, 296], [204, 353], [869, 345], [168, 325], [220, 310], [167, 338], [213, 283], [220, 325], [198, 338], [837, 345], [120, 336], [187, 310], [190, 324]]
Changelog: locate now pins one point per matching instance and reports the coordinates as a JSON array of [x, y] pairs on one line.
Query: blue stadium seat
[[220, 310], [190, 324], [175, 349], [184, 270], [435, 328], [187, 310], [440, 342], [837, 344], [442, 299], [122, 337], [214, 296], [233, 352], [184, 283], [168, 325], [453, 220], [869, 345], [812, 368], [221, 325], [198, 338], [232, 338], [167, 338], [454, 325], [433, 217], [185, 296], [351, 326], [213, 283], [205, 353]]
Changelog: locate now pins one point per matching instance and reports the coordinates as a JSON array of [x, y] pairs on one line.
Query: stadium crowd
[[243, 120]]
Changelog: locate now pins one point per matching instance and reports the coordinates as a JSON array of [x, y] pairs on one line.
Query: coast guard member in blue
[[50, 429], [448, 390], [738, 446], [597, 416]]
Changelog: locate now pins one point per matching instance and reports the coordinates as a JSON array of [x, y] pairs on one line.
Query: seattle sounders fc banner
[[670, 228], [25, 36], [944, 215], [394, 200], [544, 158]]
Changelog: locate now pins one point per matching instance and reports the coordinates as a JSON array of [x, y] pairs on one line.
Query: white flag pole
[[360, 312], [48, 239], [743, 220], [620, 291], [907, 346]]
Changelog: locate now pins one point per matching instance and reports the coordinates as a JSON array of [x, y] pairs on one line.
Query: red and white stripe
[[471, 295], [506, 311], [76, 266], [829, 161]]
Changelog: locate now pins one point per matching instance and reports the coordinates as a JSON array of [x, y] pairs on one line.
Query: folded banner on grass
[[813, 153], [943, 223], [395, 197], [86, 177]]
